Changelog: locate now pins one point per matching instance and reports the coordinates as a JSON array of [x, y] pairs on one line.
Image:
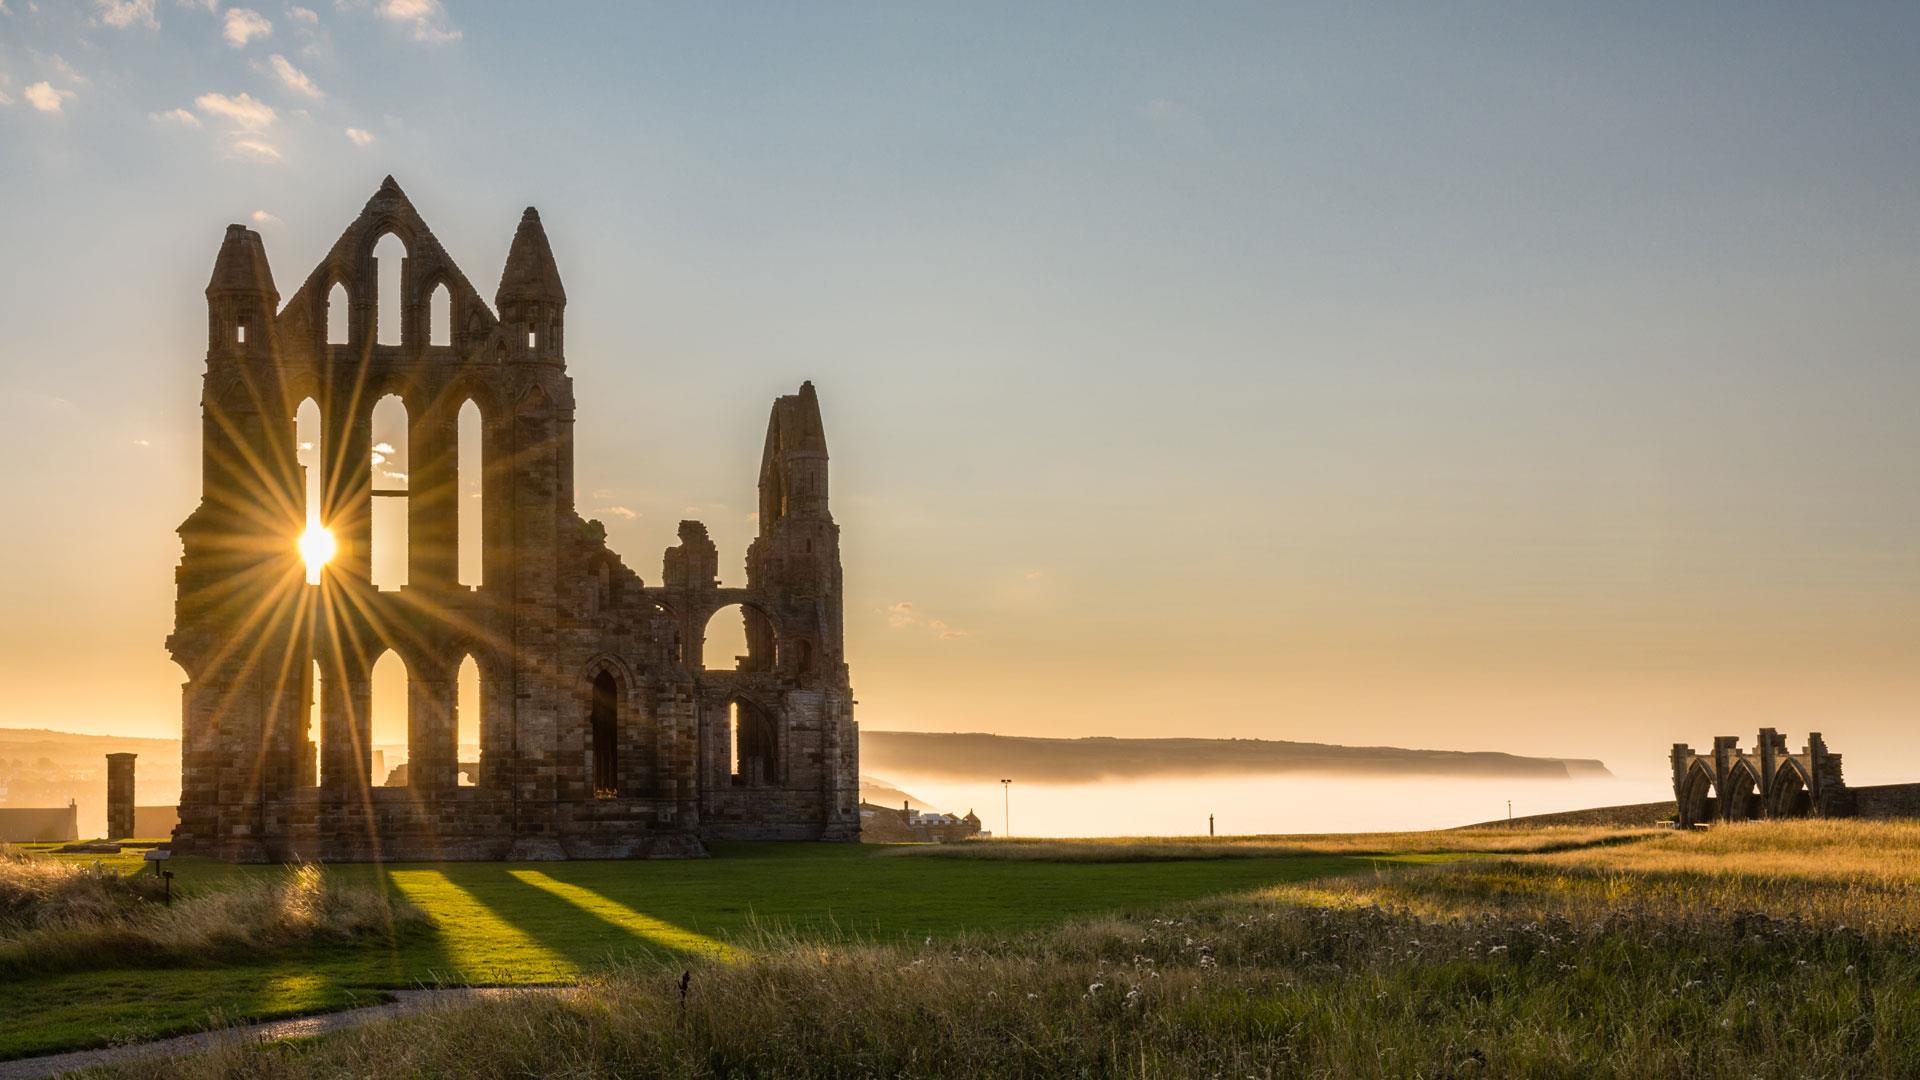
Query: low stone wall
[[1887, 801], [1628, 816], [51, 825]]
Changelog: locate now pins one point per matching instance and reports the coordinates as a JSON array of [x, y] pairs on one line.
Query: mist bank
[[1276, 803], [979, 756]]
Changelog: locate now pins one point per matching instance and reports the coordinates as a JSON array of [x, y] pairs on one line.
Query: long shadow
[[588, 927]]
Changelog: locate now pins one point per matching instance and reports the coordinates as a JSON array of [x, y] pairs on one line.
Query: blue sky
[[1539, 377]]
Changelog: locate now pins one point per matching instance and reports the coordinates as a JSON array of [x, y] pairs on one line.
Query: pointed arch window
[[308, 447], [471, 487], [390, 500], [603, 719], [388, 725], [339, 314], [440, 316], [468, 744], [389, 256]]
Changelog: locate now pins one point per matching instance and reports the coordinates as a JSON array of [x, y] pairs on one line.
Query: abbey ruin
[[604, 729], [1731, 784]]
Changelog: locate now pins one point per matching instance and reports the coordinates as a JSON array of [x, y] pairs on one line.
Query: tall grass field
[[1783, 949]]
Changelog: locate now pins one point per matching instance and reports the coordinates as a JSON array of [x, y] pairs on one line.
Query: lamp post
[[1006, 809]]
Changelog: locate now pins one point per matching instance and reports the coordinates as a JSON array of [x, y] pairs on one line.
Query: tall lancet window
[[389, 471]]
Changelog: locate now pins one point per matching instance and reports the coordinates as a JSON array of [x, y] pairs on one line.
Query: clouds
[[121, 14], [261, 217], [425, 20], [254, 150], [620, 512], [243, 25], [360, 136], [293, 78], [175, 116], [244, 112], [902, 616], [247, 119], [44, 97]]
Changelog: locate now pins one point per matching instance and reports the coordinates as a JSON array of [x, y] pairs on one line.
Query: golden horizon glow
[[317, 547]]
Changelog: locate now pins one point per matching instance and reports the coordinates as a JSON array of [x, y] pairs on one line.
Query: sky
[[1527, 377]]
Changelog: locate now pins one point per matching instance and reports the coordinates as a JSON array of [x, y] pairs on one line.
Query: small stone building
[[1731, 784], [604, 729]]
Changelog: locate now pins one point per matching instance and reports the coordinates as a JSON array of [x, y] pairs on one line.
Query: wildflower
[[1094, 988]]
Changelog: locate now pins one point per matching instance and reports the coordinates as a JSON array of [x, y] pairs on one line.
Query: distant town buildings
[[905, 825]]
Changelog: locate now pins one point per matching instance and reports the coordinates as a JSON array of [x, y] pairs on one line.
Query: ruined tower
[[603, 731]]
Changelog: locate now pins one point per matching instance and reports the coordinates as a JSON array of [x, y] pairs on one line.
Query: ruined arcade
[[1731, 784], [604, 729]]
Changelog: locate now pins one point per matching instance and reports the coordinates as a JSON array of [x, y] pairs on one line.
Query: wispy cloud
[[360, 136], [619, 511], [254, 150], [66, 70], [425, 20], [208, 6], [261, 217], [244, 112], [303, 15], [43, 96], [295, 79], [245, 24], [1036, 575], [175, 116], [121, 14], [902, 616]]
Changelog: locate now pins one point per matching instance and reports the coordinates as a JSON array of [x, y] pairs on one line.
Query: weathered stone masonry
[[1772, 782], [603, 731]]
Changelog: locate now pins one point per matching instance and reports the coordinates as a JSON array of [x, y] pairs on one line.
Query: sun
[[317, 546]]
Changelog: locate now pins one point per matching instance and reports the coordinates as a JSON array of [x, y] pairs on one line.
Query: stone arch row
[[773, 644], [433, 491], [345, 724], [1742, 795], [425, 267]]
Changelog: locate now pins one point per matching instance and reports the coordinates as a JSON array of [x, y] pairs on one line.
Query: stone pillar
[[119, 796]]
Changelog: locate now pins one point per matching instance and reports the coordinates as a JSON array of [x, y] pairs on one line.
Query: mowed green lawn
[[547, 923]]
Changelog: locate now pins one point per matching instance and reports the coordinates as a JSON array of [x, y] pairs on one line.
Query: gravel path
[[405, 1001]]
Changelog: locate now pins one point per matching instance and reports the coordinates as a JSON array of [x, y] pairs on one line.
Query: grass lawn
[[1764, 951], [533, 923]]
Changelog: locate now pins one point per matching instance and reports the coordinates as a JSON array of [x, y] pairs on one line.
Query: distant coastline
[[977, 755]]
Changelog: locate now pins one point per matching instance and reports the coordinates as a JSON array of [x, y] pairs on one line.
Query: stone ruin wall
[[605, 731]]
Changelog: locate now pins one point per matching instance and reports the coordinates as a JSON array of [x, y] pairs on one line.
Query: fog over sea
[[1266, 803]]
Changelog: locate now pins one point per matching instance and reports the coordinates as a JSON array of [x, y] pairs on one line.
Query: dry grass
[[1493, 841], [1652, 959], [60, 916], [37, 891]]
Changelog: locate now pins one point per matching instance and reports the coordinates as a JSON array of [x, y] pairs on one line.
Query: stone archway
[[1788, 796], [1697, 801], [1741, 800]]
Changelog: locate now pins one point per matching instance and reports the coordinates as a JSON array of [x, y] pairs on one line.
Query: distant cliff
[[1078, 761]]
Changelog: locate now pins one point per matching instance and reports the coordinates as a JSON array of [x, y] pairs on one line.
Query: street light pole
[[1006, 809]]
